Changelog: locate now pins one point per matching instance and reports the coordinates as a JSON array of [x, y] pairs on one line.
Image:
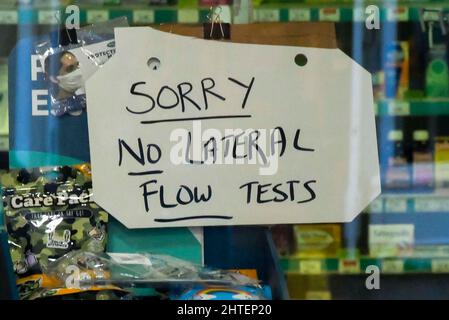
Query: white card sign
[[193, 132]]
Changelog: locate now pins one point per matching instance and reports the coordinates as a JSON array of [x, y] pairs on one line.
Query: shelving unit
[[334, 11], [417, 107], [429, 211], [137, 15], [311, 266], [436, 201]]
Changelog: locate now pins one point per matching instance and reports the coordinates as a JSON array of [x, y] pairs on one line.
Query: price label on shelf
[[393, 266], [97, 16], [143, 16], [49, 17], [310, 266], [444, 204], [267, 15], [440, 265], [349, 266], [398, 108], [188, 16], [329, 14], [9, 17], [431, 15], [398, 205], [397, 14], [377, 206], [426, 205], [299, 14]]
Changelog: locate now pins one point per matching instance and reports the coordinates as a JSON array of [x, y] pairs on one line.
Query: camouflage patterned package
[[48, 213]]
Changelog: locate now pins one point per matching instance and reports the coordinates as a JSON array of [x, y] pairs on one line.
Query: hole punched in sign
[[154, 63], [300, 59]]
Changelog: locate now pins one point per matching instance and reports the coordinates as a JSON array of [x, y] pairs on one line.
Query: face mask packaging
[[48, 213], [67, 66]]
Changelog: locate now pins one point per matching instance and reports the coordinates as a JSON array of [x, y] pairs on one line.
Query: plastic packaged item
[[318, 240], [225, 293], [39, 286], [48, 213], [127, 270], [67, 67], [423, 174], [397, 173], [442, 161], [94, 293]]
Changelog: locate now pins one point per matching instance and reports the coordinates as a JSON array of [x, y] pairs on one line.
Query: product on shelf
[[442, 161], [397, 173], [396, 69], [391, 240], [69, 65], [40, 286], [404, 79], [423, 174], [180, 279], [318, 240], [437, 74], [131, 269], [48, 213], [224, 293]]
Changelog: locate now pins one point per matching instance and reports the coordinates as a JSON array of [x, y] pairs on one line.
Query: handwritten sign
[[191, 132]]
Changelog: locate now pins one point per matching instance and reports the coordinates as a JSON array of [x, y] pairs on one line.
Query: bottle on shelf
[[442, 162], [397, 173], [422, 155], [437, 73]]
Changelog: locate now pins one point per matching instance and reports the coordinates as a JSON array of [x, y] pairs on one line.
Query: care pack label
[[191, 132]]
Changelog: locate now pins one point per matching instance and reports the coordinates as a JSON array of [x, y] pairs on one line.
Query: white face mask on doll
[[72, 81]]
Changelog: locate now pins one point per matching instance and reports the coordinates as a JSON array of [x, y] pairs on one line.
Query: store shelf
[[135, 15], [337, 12], [419, 107], [424, 202], [359, 266], [326, 11]]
